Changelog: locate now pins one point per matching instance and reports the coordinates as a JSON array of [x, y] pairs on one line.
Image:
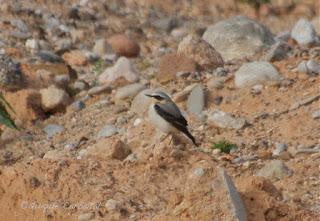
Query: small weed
[[224, 145], [98, 66]]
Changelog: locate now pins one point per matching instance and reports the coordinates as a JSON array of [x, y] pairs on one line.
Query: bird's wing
[[172, 114]]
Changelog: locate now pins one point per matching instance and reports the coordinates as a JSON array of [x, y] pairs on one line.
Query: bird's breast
[[158, 121]]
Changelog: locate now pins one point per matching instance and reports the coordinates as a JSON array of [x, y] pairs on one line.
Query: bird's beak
[[149, 95]]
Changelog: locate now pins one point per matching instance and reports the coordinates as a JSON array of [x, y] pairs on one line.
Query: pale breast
[[158, 121]]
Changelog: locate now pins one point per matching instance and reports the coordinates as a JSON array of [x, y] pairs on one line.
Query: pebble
[[54, 99], [217, 100], [129, 91], [313, 67], [233, 38], [53, 129], [275, 170], [316, 114], [49, 56], [10, 74], [279, 148], [196, 100], [107, 131], [199, 172], [137, 122], [86, 216], [256, 72], [256, 89], [303, 32], [32, 44], [78, 105], [225, 120], [99, 90], [121, 69]]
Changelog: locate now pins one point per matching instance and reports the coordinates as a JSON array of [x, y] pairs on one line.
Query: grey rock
[[78, 105], [279, 148], [302, 67], [107, 131], [225, 120], [49, 56], [316, 114], [19, 24], [62, 44], [166, 23], [217, 100], [283, 36], [238, 37], [10, 74], [121, 69], [129, 91], [237, 207], [32, 44], [277, 52], [53, 129], [196, 100], [275, 170], [303, 32], [313, 67], [257, 72]]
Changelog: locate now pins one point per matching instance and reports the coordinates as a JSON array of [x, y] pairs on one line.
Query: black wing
[[176, 119]]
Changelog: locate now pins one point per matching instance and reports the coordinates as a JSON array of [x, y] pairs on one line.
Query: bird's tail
[[188, 134]]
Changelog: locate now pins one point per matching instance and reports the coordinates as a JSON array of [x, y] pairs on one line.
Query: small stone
[[166, 23], [32, 44], [137, 122], [99, 90], [303, 32], [217, 100], [34, 182], [196, 100], [53, 129], [129, 91], [256, 89], [54, 99], [277, 52], [316, 114], [225, 120], [257, 72], [85, 216], [121, 69], [78, 106], [80, 85], [111, 205], [55, 155], [201, 52], [279, 148], [199, 172], [107, 131], [109, 148], [101, 47], [216, 152], [62, 80], [124, 46], [275, 170], [302, 67], [71, 146], [313, 67], [49, 56]]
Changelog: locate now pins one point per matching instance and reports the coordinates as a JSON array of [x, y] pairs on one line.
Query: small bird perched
[[166, 116]]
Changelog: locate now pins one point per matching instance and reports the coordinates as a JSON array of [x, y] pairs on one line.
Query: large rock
[[122, 70], [54, 99], [11, 77], [173, 63], [26, 104], [109, 148], [256, 72], [303, 32], [124, 46], [238, 37], [201, 52]]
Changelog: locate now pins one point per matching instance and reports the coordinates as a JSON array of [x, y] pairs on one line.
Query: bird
[[165, 115]]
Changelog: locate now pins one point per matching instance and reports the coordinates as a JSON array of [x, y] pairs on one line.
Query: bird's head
[[159, 96]]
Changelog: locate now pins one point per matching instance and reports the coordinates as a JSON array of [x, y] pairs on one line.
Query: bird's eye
[[158, 97]]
